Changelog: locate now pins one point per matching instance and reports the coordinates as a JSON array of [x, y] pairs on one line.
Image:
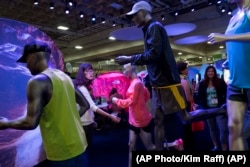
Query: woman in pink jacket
[[139, 115]]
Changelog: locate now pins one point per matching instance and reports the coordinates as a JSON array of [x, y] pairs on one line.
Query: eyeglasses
[[89, 71]]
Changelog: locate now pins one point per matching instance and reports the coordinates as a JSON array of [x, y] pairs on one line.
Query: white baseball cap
[[140, 5]]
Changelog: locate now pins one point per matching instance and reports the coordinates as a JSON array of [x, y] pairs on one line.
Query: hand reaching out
[[114, 99], [194, 107], [115, 118], [111, 97], [216, 37], [123, 60]]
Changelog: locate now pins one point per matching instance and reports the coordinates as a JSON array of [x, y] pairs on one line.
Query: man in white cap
[[167, 94]]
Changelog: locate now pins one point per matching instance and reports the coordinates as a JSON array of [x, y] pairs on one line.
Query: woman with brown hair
[[212, 94], [83, 81]]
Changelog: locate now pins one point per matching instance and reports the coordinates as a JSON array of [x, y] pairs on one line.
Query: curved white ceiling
[[191, 40], [128, 34], [179, 28]]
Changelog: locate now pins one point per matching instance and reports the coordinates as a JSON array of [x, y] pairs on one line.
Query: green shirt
[[62, 133]]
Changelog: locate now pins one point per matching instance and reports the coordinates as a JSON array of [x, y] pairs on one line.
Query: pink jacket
[[136, 98]]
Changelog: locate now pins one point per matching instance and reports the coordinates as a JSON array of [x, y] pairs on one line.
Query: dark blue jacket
[[157, 56]]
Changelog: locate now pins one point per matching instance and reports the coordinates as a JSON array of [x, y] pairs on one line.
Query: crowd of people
[[53, 97]]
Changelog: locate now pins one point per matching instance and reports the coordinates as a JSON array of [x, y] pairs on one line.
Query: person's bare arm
[[187, 90], [217, 37], [105, 114], [39, 91]]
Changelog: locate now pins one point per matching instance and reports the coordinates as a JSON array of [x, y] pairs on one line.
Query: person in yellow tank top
[[51, 104]]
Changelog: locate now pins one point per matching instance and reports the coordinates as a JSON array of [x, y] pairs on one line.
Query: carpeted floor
[[110, 145]]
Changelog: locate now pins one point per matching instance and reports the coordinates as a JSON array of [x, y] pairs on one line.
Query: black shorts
[[238, 94], [168, 99], [137, 130]]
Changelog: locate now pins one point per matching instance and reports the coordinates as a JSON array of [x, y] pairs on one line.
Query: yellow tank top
[[62, 133]]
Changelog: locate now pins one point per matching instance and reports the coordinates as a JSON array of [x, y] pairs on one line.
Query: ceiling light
[[176, 13], [103, 20], [112, 38], [210, 2], [221, 47], [35, 2], [51, 5], [78, 47], [200, 57], [62, 28], [66, 10], [162, 17], [179, 53], [114, 24], [223, 9], [218, 2], [70, 2], [81, 15], [93, 18], [192, 9], [229, 12]]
